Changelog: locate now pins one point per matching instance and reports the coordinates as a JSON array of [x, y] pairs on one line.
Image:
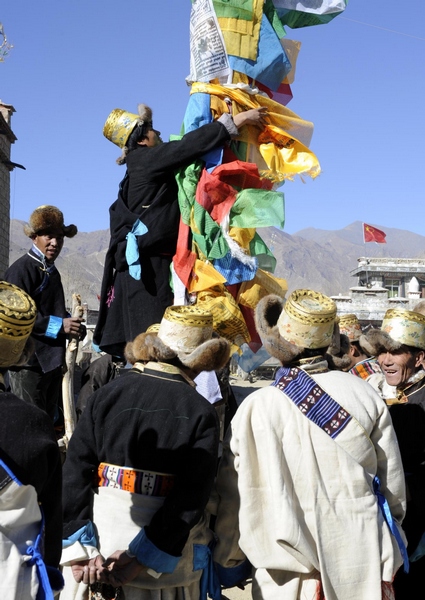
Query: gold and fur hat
[[120, 124], [307, 320], [399, 327], [47, 218], [185, 332], [17, 317]]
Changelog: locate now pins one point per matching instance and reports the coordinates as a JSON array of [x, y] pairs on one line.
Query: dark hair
[[139, 133]]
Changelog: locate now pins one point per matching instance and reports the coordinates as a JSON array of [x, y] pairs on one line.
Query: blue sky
[[360, 79]]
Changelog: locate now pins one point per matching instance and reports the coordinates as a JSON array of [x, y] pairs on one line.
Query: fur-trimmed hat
[[17, 317], [400, 327], [120, 124], [306, 320], [47, 218], [185, 332]]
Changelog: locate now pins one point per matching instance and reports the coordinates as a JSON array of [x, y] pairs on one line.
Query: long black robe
[[149, 193]]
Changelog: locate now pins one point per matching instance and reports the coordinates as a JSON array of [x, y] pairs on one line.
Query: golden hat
[[405, 326], [350, 326], [119, 125], [184, 328], [154, 328], [17, 316], [307, 319]]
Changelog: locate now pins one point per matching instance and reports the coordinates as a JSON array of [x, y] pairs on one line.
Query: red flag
[[371, 234]]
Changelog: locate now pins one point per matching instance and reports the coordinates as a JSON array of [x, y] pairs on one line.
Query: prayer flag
[[372, 234]]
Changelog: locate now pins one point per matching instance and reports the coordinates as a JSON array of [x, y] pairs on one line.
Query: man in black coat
[[147, 445], [39, 382], [144, 220]]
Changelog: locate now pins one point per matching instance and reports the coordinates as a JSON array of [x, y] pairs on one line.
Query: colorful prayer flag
[[372, 234]]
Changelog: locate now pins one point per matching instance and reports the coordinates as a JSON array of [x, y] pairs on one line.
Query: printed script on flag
[[372, 234]]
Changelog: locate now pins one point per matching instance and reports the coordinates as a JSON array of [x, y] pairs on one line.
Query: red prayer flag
[[372, 234]]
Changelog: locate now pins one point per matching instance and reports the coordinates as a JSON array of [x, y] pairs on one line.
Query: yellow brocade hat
[[307, 319], [17, 316], [405, 327], [350, 326], [120, 123], [184, 328]]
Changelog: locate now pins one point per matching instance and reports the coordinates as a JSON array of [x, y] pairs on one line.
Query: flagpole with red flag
[[372, 234]]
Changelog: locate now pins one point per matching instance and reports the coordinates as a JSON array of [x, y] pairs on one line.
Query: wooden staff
[[70, 415]]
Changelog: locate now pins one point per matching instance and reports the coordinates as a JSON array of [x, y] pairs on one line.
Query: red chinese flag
[[371, 234]]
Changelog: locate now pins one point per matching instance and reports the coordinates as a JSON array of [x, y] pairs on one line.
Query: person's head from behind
[[184, 339], [350, 326], [303, 328], [399, 345], [17, 317], [47, 231]]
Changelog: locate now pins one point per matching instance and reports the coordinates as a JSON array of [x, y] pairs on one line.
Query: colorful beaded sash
[[312, 401], [135, 481]]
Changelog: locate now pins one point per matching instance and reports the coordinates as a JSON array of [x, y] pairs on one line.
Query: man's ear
[[354, 351], [420, 358]]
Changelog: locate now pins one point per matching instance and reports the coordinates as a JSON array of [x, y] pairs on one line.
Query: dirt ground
[[237, 594]]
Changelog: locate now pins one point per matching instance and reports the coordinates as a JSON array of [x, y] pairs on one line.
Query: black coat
[[153, 422], [28, 274], [29, 448], [149, 193]]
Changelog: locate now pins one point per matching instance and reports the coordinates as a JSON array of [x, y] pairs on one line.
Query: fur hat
[[399, 327], [308, 322], [17, 317], [48, 218], [185, 332]]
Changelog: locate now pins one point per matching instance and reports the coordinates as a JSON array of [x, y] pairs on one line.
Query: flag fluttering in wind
[[372, 234]]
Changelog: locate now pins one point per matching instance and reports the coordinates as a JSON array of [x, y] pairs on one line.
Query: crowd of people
[[314, 490]]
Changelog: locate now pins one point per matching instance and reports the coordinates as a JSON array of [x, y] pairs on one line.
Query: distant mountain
[[311, 258]]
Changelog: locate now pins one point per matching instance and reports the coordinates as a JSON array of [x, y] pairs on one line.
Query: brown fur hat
[[376, 341], [148, 346], [212, 355], [338, 353], [48, 218]]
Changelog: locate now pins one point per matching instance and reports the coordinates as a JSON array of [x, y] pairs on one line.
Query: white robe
[[298, 503], [119, 516], [20, 522]]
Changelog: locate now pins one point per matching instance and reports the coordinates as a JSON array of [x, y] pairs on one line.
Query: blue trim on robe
[[149, 555], [54, 326], [231, 576], [85, 535]]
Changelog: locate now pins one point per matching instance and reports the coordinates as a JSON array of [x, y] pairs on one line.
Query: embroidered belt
[[134, 480]]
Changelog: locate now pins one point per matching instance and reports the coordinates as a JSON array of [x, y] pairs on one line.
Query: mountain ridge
[[311, 258]]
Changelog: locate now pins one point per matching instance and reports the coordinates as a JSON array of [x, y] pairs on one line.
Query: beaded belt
[[135, 481]]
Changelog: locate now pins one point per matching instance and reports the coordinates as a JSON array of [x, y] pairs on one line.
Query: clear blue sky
[[360, 79]]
